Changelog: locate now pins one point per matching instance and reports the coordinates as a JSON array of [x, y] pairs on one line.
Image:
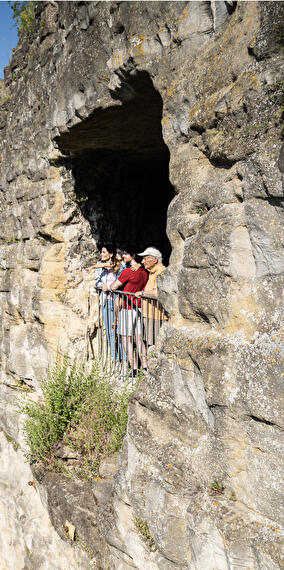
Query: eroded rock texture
[[116, 111]]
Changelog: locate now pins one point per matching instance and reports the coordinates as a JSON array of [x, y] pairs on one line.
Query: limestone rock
[[127, 120], [27, 538]]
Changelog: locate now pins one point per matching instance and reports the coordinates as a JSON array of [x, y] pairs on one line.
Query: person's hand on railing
[[152, 294], [138, 294], [104, 288]]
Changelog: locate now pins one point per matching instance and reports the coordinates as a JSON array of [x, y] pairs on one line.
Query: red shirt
[[132, 282]]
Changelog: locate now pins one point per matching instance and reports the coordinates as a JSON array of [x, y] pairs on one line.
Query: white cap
[[153, 251]]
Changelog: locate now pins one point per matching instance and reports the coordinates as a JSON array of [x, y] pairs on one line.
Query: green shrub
[[79, 409], [24, 16]]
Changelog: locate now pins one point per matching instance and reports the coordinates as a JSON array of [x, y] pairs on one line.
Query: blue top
[[121, 269]]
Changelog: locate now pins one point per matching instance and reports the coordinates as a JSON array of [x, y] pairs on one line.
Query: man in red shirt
[[130, 321]]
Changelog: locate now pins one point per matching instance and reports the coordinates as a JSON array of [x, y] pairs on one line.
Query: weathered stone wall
[[210, 407]]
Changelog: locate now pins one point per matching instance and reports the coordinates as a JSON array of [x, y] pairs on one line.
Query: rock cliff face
[[116, 112]]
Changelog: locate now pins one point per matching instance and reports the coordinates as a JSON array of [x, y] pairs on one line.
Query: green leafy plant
[[82, 199], [217, 488], [24, 17], [79, 409], [144, 533], [11, 240]]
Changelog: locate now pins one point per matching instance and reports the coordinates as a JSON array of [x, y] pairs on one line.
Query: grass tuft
[[143, 530], [217, 488]]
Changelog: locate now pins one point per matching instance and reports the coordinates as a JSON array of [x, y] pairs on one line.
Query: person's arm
[[101, 265], [135, 266], [90, 268], [146, 293], [123, 278], [152, 293], [115, 285]]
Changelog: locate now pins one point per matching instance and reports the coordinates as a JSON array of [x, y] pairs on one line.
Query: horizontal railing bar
[[144, 296]]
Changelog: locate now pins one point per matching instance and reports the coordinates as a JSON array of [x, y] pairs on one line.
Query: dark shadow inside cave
[[120, 166]]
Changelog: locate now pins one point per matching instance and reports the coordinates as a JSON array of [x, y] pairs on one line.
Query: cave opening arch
[[120, 167]]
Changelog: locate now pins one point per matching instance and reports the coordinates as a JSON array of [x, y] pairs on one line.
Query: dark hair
[[129, 250], [119, 251], [109, 246]]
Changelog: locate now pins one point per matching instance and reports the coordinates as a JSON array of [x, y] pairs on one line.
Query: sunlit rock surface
[[86, 97], [27, 537]]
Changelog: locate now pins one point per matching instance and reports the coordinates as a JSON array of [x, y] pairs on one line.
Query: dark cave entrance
[[120, 165]]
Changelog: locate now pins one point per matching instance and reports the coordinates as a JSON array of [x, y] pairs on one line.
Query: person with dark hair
[[130, 325], [104, 277]]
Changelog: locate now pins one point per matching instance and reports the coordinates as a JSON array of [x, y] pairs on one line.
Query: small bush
[[24, 16], [79, 409]]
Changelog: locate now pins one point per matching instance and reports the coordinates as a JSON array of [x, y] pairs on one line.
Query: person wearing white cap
[[152, 261]]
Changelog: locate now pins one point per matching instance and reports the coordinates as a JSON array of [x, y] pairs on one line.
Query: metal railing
[[127, 326]]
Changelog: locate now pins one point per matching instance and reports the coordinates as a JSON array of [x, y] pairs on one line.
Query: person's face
[[149, 261], [105, 255], [118, 256], [127, 258]]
